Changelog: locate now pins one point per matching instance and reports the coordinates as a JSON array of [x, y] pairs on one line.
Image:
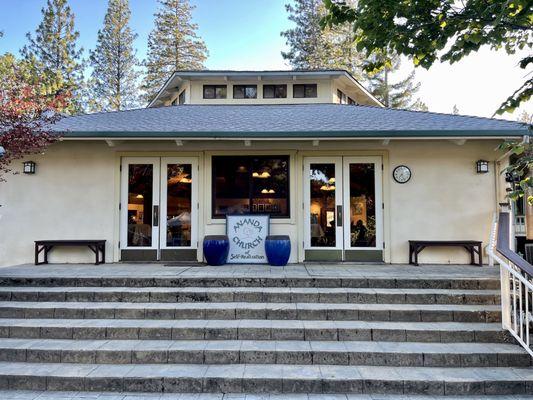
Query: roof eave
[[291, 135]]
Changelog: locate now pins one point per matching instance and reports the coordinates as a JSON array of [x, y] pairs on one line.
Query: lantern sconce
[[29, 167], [482, 166]]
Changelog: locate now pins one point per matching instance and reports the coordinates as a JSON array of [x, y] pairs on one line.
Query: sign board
[[247, 234]]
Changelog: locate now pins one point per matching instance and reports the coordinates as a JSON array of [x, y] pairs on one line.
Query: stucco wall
[[74, 194], [70, 197]]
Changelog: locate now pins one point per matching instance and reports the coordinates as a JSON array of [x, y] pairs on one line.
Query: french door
[[159, 209], [343, 209]]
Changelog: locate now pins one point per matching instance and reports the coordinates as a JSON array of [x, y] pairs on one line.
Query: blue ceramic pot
[[278, 250], [216, 249]]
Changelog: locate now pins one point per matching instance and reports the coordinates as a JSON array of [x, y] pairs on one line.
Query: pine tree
[[455, 110], [114, 78], [173, 45], [55, 50], [395, 94], [526, 117], [311, 47]]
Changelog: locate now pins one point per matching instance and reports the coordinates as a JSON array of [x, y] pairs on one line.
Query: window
[[305, 90], [181, 98], [215, 91], [244, 91], [251, 184], [274, 91], [343, 99]]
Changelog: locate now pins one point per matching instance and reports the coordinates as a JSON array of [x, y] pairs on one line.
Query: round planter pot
[[278, 250], [216, 249]]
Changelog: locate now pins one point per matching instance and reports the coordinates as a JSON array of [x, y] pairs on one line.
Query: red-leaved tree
[[29, 107]]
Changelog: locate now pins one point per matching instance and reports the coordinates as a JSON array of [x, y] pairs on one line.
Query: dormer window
[[306, 90], [215, 91], [274, 91], [181, 97], [245, 91]]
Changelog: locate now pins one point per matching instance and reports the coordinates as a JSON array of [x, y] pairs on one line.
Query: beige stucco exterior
[[327, 85], [76, 192]]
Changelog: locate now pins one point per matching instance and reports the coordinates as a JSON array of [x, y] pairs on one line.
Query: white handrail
[[516, 293]]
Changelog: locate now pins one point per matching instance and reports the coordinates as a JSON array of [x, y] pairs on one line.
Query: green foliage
[[113, 81], [310, 47], [53, 50], [398, 94], [14, 72], [520, 169], [173, 45], [439, 30]]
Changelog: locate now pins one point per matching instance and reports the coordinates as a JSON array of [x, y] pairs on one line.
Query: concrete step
[[253, 378], [77, 395], [250, 294], [245, 310], [249, 329], [428, 282], [264, 352]]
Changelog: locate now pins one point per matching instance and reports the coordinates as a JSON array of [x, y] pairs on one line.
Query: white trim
[[295, 139]]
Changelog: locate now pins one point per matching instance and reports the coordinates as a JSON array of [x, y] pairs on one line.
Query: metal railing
[[516, 276]]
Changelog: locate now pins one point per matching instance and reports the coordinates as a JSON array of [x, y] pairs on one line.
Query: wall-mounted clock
[[401, 174]]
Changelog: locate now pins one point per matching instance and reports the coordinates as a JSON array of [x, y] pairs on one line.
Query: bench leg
[[36, 254], [418, 249], [103, 254], [480, 255], [46, 250]]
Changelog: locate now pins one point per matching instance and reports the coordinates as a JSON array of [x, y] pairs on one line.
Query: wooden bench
[[97, 246], [472, 246]]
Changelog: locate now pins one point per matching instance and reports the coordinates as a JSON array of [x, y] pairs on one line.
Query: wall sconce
[[29, 167], [482, 166]]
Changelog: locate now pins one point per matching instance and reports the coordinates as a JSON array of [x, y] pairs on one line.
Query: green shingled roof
[[283, 121]]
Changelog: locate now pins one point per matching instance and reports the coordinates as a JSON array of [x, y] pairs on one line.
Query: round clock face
[[401, 174]]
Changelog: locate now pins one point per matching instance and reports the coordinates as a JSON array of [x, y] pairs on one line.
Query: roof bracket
[[316, 143], [110, 143], [179, 142], [247, 143], [385, 142]]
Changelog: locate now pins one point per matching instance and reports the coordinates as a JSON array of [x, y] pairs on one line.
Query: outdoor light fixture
[[482, 166], [29, 167], [2, 151]]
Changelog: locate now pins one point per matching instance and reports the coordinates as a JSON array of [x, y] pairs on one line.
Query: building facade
[[346, 178]]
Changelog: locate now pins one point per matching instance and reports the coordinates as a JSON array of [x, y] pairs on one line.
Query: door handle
[[339, 215], [156, 216]]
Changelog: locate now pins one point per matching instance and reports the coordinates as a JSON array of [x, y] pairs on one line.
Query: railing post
[[505, 288]]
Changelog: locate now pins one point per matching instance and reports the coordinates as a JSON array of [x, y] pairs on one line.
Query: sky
[[245, 35]]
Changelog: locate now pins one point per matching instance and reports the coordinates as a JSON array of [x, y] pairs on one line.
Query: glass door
[[323, 208], [139, 208], [343, 209], [363, 209], [159, 209], [179, 209]]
